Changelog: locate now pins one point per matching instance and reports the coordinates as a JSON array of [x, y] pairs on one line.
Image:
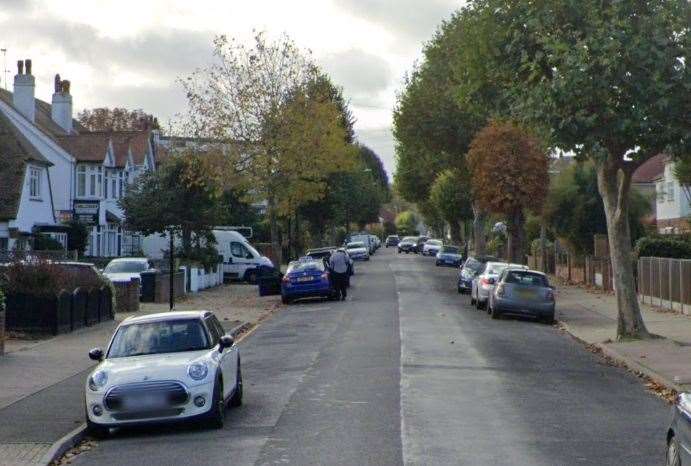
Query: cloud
[[162, 100], [407, 19], [362, 75], [380, 140]]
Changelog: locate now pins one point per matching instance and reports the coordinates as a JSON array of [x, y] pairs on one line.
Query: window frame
[[35, 175]]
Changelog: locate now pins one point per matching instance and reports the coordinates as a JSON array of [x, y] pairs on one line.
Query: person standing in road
[[338, 263]]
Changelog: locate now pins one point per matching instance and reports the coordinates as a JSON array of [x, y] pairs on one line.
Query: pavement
[[407, 372], [591, 316]]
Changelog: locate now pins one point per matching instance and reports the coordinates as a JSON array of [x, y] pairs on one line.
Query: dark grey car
[[523, 293], [679, 432]]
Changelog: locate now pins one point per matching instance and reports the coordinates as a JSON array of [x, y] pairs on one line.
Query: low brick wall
[[127, 296], [162, 288]]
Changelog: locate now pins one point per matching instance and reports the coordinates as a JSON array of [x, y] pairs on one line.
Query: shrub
[[46, 243], [663, 247], [43, 278]]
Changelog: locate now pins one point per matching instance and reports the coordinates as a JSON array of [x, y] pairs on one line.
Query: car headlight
[[98, 380], [197, 371]]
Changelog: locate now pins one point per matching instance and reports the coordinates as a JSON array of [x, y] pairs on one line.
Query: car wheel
[[251, 277], [479, 304], [472, 300], [217, 414], [494, 313], [460, 291], [285, 300], [95, 430], [236, 399], [673, 458], [549, 320]]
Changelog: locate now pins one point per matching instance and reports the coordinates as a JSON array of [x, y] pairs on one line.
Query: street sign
[[86, 212]]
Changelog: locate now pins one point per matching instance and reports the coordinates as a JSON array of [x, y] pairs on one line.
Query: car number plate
[[143, 402], [448, 261], [304, 279], [527, 294]]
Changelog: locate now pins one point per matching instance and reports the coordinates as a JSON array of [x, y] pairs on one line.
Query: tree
[[115, 119], [373, 164], [77, 236], [682, 170], [574, 210], [451, 196], [509, 168], [265, 101], [181, 197], [608, 81], [406, 223]]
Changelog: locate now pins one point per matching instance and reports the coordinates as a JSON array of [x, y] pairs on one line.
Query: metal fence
[[665, 282], [15, 256]]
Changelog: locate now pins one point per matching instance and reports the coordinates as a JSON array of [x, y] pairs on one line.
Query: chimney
[[24, 89], [61, 108]]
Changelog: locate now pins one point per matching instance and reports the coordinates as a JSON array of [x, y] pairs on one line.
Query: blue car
[[449, 256], [306, 278]]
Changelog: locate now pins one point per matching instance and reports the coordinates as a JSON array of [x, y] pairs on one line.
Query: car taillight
[[550, 295], [485, 282]]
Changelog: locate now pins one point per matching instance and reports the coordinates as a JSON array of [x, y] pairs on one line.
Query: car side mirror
[[226, 341], [96, 354], [230, 260]]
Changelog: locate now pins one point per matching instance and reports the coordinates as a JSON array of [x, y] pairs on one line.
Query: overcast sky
[[128, 52]]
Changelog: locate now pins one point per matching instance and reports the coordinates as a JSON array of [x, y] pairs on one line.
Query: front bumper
[[464, 284], [182, 412]]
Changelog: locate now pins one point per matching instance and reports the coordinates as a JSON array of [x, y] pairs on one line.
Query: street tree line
[[503, 86], [273, 129]]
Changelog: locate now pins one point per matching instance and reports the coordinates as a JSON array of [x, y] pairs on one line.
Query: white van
[[240, 259]]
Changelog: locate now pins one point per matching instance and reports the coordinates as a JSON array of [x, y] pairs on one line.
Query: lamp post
[[171, 295]]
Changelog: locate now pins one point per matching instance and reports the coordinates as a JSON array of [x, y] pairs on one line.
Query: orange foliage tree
[[510, 175]]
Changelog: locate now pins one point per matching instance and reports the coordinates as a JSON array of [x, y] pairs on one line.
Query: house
[[643, 181], [85, 172], [673, 206]]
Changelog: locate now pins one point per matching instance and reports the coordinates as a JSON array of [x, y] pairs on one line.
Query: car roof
[[163, 316], [519, 269], [130, 259], [81, 264]]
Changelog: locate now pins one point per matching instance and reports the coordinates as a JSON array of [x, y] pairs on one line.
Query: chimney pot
[[20, 66], [61, 106], [27, 62]]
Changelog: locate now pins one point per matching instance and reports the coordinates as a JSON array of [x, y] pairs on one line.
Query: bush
[[43, 278], [663, 247], [77, 237]]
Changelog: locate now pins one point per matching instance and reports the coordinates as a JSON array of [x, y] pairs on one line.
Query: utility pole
[[4, 66], [172, 270]]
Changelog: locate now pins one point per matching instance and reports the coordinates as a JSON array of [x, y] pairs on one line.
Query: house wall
[[670, 208], [34, 211], [62, 171]]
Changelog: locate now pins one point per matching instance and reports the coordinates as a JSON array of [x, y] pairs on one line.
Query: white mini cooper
[[164, 367]]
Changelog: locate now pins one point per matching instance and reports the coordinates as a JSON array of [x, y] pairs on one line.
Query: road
[[406, 372]]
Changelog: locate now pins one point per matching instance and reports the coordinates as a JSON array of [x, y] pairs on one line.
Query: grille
[[174, 393], [147, 414]]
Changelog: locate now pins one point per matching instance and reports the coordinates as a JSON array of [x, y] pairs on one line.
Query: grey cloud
[[361, 74], [381, 141], [163, 100], [412, 20]]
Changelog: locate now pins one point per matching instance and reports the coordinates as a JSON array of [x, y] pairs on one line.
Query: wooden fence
[[665, 282]]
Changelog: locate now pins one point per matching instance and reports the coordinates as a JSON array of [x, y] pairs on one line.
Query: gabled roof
[[43, 117], [650, 169], [15, 153], [86, 147]]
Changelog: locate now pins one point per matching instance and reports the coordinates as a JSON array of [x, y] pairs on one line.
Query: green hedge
[[663, 247]]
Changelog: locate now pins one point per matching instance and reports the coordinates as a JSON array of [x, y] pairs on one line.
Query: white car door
[[242, 258], [227, 358]]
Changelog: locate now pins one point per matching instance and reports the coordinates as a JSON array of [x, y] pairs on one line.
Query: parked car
[[431, 247], [241, 261], [124, 269], [392, 240], [407, 244], [483, 284], [364, 238], [472, 267], [306, 278], [164, 367], [679, 432], [421, 240], [522, 292], [449, 256], [358, 251], [321, 253]]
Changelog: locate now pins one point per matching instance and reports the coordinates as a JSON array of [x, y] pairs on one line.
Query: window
[[4, 244], [123, 182], [670, 191], [81, 181], [35, 183], [660, 191], [213, 330], [238, 250]]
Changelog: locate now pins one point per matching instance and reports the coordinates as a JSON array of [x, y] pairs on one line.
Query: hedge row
[[656, 246]]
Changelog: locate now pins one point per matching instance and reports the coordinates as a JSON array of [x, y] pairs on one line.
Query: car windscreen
[[126, 267], [355, 245], [494, 268], [410, 239], [166, 336], [306, 266], [520, 277], [474, 265], [434, 242], [450, 250]]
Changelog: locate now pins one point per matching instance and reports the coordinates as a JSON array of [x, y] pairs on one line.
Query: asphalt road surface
[[406, 372]]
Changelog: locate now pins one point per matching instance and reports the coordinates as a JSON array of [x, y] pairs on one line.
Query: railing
[[16, 256], [665, 282]]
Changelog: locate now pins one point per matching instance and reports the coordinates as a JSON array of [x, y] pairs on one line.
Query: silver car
[[522, 292], [483, 284]]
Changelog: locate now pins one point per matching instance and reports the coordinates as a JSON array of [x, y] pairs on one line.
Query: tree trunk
[[186, 241], [543, 247], [455, 229], [478, 231], [614, 185], [516, 235], [273, 230]]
